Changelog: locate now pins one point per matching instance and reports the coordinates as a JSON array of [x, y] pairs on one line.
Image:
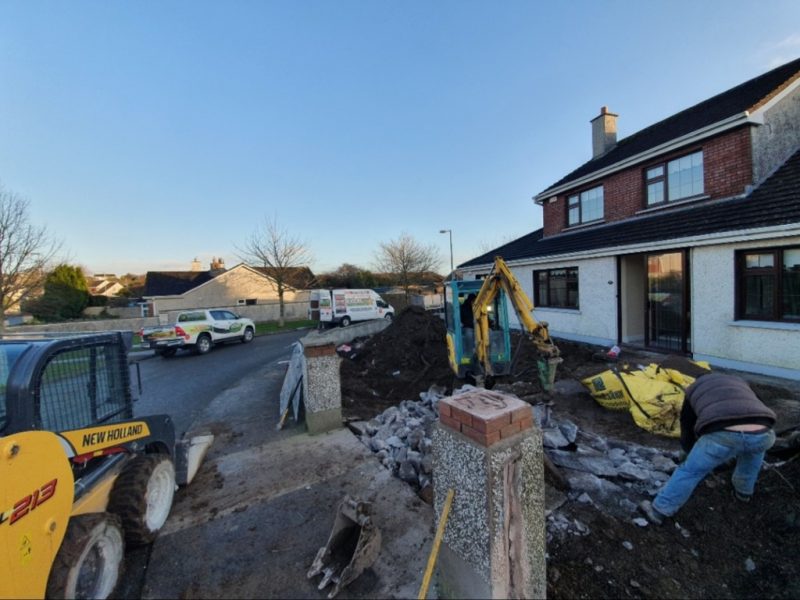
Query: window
[[556, 288], [678, 179], [191, 316], [585, 207], [247, 302], [769, 284]]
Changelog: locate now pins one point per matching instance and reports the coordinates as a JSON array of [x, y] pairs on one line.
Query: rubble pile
[[401, 438]]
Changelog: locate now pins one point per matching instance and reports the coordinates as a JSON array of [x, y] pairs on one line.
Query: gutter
[[737, 120]]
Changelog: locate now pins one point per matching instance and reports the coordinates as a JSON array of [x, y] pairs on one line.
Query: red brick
[[462, 415], [523, 412], [484, 439], [490, 425], [317, 351], [511, 429], [525, 423], [450, 422], [444, 409]]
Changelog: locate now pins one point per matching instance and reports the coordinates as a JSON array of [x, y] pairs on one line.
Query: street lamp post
[[450, 232]]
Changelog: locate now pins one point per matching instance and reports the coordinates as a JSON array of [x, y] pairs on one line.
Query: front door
[[667, 304]]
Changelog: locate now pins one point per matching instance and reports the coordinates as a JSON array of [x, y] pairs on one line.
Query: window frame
[[569, 278], [579, 204], [664, 180], [776, 271]]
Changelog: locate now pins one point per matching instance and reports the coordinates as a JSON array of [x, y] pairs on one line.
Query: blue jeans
[[710, 451]]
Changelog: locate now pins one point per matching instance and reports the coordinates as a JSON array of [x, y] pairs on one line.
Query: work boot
[[655, 517], [741, 497]]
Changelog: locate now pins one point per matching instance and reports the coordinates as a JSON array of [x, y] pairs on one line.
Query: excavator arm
[[501, 278]]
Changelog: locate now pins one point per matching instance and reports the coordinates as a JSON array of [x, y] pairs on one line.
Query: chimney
[[217, 266], [196, 267], [604, 132]]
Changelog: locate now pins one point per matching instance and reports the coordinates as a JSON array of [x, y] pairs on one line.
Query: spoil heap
[[397, 364]]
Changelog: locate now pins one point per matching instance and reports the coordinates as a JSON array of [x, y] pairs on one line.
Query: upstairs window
[[769, 284], [585, 207], [556, 288], [675, 180]]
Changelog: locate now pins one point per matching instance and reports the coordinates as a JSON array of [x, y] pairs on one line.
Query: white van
[[347, 306]]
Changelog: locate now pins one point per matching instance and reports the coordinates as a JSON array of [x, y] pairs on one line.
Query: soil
[[716, 547]]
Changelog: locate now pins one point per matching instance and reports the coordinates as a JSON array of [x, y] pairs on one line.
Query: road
[[184, 385]]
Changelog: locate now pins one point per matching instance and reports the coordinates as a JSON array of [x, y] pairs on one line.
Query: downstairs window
[[768, 284], [556, 288]]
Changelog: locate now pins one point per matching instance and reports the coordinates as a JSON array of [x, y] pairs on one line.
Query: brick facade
[[727, 171]]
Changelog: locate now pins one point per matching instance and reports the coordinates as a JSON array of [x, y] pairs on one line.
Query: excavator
[[81, 476], [478, 339]]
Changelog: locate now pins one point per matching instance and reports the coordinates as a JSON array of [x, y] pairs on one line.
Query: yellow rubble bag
[[609, 390]]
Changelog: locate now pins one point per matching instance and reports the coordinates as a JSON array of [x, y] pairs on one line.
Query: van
[[347, 306]]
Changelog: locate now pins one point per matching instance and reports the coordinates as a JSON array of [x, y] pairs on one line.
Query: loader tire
[[142, 497], [89, 562]]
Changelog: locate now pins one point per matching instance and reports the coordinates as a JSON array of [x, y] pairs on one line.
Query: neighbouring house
[[104, 284], [241, 285], [683, 237]]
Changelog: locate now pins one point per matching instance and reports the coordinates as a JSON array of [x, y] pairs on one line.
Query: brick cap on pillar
[[485, 416]]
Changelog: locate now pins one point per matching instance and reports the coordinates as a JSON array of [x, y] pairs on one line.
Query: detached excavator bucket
[[352, 547]]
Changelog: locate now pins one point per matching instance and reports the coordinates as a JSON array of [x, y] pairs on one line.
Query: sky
[[146, 134]]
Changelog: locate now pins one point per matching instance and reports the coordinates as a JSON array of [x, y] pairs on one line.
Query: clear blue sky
[[148, 133]]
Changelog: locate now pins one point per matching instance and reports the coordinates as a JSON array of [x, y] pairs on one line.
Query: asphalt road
[[182, 386]]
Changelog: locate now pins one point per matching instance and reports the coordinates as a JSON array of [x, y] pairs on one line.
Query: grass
[[272, 326]]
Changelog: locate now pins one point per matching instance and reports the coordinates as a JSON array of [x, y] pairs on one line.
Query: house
[[104, 284], [683, 237], [241, 285]]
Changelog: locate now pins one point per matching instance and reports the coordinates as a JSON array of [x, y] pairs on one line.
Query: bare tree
[[280, 254], [407, 259], [26, 251]]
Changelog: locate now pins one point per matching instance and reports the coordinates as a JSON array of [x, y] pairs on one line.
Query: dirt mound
[[397, 364]]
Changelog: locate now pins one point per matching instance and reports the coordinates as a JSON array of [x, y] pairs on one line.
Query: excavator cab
[[459, 298]]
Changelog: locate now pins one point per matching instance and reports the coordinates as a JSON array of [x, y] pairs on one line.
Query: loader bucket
[[189, 453], [547, 371], [352, 547]]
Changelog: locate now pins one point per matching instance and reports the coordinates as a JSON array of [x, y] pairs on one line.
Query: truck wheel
[[167, 352], [345, 321], [248, 335], [142, 497], [388, 317], [88, 563], [203, 345]]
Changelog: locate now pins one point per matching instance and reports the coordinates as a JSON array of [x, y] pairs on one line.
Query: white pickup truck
[[198, 330]]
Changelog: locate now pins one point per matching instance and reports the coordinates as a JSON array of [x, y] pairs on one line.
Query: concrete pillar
[[488, 450], [322, 388], [322, 383]]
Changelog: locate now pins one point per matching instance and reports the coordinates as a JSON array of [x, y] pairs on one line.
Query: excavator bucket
[[547, 371], [352, 547]]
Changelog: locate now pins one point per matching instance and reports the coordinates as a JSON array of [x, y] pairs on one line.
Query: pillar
[[487, 448]]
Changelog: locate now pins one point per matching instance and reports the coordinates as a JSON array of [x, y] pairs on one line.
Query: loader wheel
[[203, 345], [248, 335], [89, 561], [142, 497]]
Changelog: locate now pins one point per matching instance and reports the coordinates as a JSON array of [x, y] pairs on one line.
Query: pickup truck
[[198, 330]]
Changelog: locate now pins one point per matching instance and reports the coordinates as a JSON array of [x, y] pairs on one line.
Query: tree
[[279, 253], [26, 251], [348, 276], [407, 259], [65, 295]]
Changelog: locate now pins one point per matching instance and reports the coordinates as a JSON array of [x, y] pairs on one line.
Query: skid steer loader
[[81, 476]]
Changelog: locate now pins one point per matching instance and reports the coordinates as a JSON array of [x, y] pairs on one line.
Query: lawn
[[272, 326]]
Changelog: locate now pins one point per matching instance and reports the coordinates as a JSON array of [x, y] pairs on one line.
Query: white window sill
[[569, 311], [766, 325], [665, 205]]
